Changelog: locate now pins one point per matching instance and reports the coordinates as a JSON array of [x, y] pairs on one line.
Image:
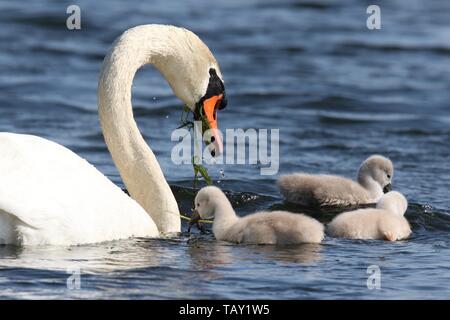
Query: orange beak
[[210, 109]]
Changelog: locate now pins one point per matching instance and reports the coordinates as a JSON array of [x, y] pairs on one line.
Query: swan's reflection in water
[[176, 268], [203, 254], [134, 268], [302, 254], [207, 254], [103, 257]]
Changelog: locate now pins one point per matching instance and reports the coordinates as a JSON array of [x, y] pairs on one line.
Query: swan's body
[[49, 195], [276, 227], [56, 197], [374, 178], [386, 222]]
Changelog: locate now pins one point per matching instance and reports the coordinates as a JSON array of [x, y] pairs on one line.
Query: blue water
[[338, 92]]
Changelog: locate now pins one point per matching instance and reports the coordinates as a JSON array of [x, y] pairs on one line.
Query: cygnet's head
[[378, 168], [206, 201], [394, 202]]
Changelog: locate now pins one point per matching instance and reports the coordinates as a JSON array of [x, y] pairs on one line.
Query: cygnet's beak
[[195, 217], [387, 188], [210, 107]]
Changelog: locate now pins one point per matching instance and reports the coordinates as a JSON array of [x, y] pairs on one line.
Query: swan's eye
[[389, 176], [198, 204]]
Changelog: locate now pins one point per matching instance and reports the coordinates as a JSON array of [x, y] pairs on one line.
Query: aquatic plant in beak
[[199, 169], [207, 116], [205, 111]]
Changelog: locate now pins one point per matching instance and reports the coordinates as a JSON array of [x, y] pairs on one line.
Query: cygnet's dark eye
[[198, 204], [389, 176]]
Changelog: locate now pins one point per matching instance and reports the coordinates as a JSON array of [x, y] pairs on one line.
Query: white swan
[[374, 178], [49, 195], [276, 227], [386, 222]]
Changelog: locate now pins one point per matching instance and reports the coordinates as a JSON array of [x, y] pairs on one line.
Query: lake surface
[[337, 91]]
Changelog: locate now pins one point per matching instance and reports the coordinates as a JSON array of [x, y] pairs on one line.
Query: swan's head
[[206, 109], [194, 76], [206, 202], [379, 169], [394, 202], [185, 62]]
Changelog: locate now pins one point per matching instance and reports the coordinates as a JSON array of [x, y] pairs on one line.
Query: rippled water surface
[[337, 91]]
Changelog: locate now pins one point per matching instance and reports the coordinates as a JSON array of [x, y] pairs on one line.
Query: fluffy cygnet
[[374, 178], [277, 227], [386, 222]]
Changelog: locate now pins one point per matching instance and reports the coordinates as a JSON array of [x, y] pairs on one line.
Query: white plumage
[[386, 222], [49, 195], [276, 227], [374, 177]]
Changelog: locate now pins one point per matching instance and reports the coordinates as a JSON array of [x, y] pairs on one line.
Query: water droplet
[[427, 208]]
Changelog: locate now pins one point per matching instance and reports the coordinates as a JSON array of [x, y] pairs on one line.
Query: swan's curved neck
[[133, 158], [373, 188], [224, 216]]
